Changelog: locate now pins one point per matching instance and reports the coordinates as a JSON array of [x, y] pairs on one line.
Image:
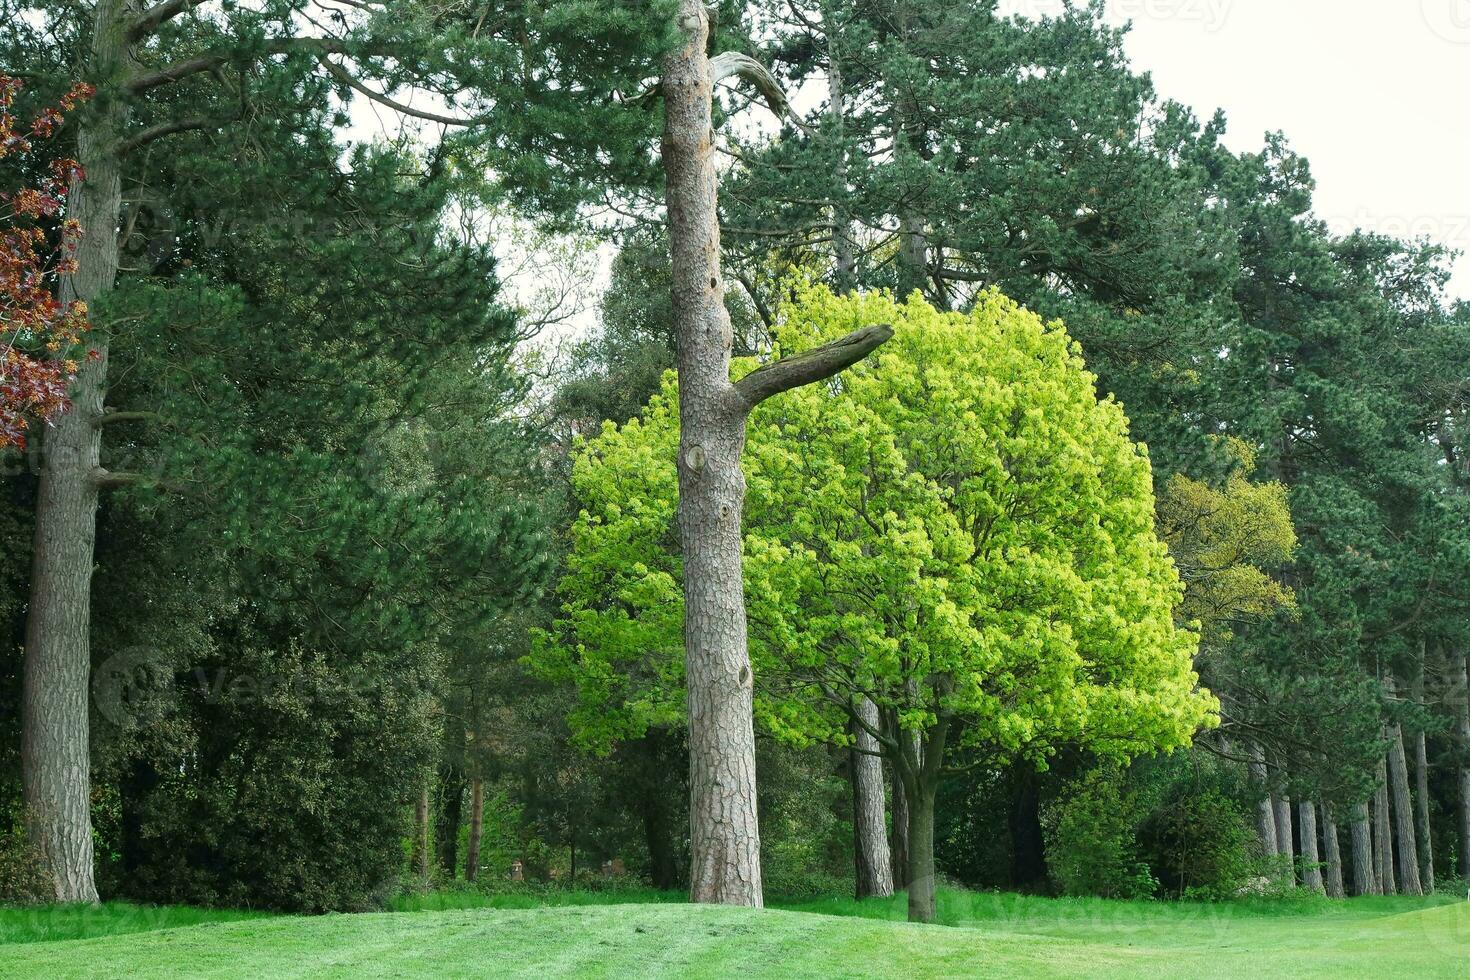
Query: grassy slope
[[1005, 936]]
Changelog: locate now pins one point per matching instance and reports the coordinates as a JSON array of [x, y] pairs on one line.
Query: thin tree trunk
[[843, 249], [421, 836], [1461, 695], [1306, 812], [899, 847], [723, 826], [1383, 835], [477, 826], [1403, 814], [1285, 846], [451, 816], [1421, 787], [1365, 871], [870, 833], [1334, 854], [1265, 809], [55, 737]]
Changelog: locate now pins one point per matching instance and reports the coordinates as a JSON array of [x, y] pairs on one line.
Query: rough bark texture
[[1460, 679], [1285, 846], [1403, 815], [477, 828], [1306, 812], [899, 846], [1382, 835], [1365, 871], [922, 884], [1332, 855], [1265, 809], [724, 832], [870, 831], [55, 739]]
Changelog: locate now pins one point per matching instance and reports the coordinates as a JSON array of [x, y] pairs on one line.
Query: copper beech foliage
[[39, 333]]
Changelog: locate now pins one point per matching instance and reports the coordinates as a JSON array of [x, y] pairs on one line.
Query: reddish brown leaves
[[38, 333]]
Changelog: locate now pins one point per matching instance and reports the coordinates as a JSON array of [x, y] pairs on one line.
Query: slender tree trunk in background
[[869, 823], [843, 250], [55, 737], [1365, 871], [1334, 854], [477, 827], [1460, 681], [1383, 835], [1285, 846], [1421, 787], [723, 825], [421, 836], [451, 815], [1306, 812], [899, 848], [1403, 814], [1265, 809]]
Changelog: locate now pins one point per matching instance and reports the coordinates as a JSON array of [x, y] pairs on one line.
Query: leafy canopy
[[958, 529]]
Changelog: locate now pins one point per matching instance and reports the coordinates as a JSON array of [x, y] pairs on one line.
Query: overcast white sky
[[1373, 92]]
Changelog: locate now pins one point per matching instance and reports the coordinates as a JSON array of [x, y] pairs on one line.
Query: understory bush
[[1092, 850]]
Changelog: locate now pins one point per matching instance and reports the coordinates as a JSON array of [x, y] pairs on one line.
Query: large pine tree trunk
[[1306, 812], [870, 831], [55, 736], [1333, 854], [1383, 835], [724, 831], [723, 828], [477, 828], [1365, 870], [1460, 679], [1403, 814], [1265, 809]]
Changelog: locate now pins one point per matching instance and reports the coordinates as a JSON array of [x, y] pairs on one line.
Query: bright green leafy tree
[[961, 532]]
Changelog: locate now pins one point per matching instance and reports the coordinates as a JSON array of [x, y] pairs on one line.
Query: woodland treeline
[[333, 581]]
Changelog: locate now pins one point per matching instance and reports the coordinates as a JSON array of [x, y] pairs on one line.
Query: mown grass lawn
[[988, 935]]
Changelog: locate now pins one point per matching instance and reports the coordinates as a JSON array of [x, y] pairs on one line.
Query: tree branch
[[345, 77], [732, 63], [811, 366], [110, 416], [107, 480], [157, 15], [161, 130]]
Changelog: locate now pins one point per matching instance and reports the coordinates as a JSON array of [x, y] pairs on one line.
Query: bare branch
[[733, 63], [107, 480], [343, 76], [810, 366]]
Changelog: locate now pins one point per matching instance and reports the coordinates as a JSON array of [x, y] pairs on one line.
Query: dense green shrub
[[1197, 843], [22, 882], [1091, 848]]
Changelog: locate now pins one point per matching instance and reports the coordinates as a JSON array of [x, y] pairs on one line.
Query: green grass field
[[589, 935]]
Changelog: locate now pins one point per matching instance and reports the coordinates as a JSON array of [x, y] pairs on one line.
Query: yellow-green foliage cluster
[[956, 527], [1224, 539]]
